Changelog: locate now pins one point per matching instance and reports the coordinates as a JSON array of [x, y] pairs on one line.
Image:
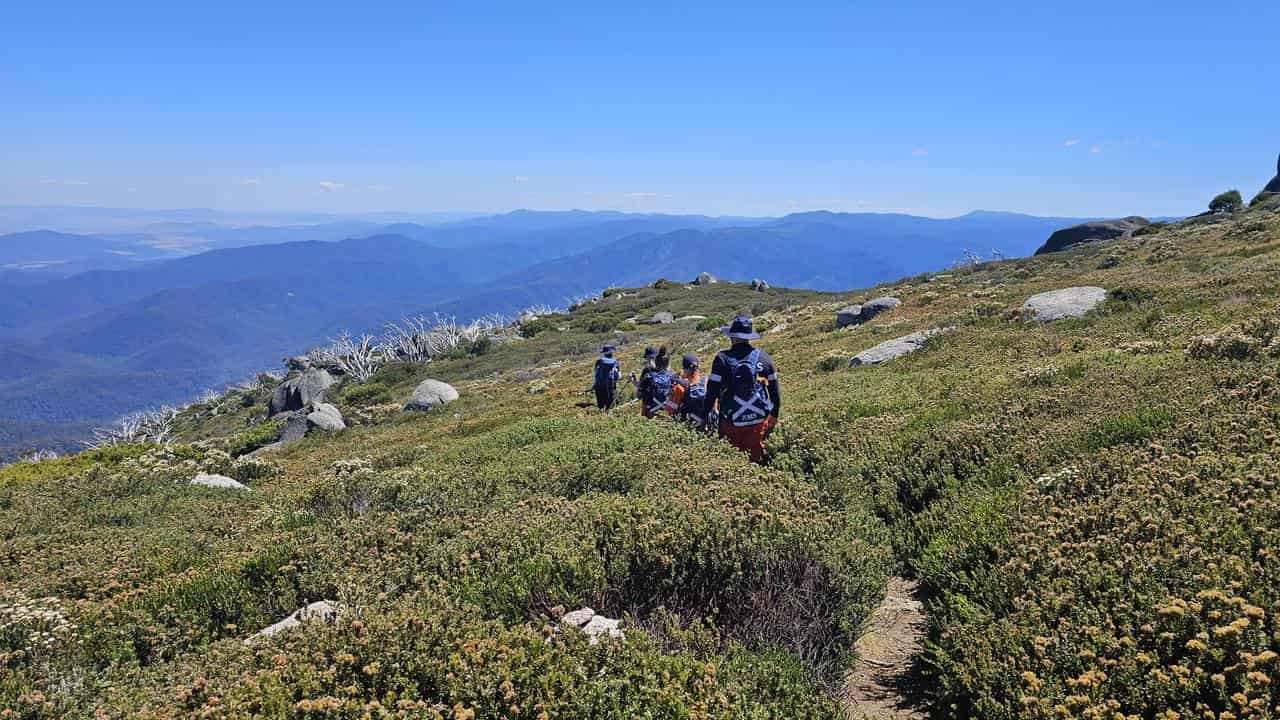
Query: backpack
[[605, 373], [656, 389], [695, 399], [751, 403]]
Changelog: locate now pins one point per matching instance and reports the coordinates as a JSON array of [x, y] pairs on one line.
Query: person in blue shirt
[[607, 374], [744, 386]]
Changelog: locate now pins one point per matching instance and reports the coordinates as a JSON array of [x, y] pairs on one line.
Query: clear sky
[[937, 108]]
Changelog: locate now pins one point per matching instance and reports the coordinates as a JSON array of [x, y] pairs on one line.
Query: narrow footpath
[[884, 682]]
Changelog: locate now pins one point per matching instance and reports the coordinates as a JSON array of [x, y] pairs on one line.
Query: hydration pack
[[695, 400], [751, 403], [606, 369], [657, 389]]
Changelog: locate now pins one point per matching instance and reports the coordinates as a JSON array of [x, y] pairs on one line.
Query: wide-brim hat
[[742, 328], [691, 361], [608, 349]]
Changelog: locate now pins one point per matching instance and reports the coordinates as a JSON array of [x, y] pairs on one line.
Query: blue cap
[[742, 328], [608, 349]]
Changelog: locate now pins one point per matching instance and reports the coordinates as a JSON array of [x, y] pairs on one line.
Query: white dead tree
[[39, 456], [408, 339], [359, 357], [155, 426]]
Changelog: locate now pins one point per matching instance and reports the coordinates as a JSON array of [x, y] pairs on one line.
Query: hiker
[[744, 385], [650, 355], [607, 373], [688, 400], [656, 384]]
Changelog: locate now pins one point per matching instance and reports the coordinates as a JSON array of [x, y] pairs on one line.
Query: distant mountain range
[[138, 329]]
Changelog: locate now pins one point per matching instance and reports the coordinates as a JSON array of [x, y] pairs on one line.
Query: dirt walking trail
[[884, 682]]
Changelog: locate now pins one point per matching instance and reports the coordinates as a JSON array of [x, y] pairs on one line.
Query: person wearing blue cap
[[607, 373], [744, 384]]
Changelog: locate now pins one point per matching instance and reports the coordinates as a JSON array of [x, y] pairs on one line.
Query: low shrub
[[534, 328], [258, 436], [714, 322]]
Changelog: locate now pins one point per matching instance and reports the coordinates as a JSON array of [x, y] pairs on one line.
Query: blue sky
[[1081, 108]]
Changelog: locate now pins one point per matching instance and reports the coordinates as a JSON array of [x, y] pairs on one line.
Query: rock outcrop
[[662, 318], [851, 315], [593, 625], [323, 611], [1274, 186], [705, 279], [1065, 303], [1092, 232], [858, 314], [759, 285], [897, 347], [221, 482], [429, 395], [316, 416], [300, 391]]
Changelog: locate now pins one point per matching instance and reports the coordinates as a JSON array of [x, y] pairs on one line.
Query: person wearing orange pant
[[744, 385]]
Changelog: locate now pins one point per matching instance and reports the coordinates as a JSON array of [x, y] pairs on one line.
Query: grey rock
[[662, 318], [322, 611], [896, 348], [851, 315], [265, 449], [1066, 303], [1092, 232], [222, 482], [877, 306], [1274, 185], [431, 394], [705, 279], [601, 626], [300, 391], [759, 285], [691, 318], [294, 429], [324, 416], [298, 363], [578, 618]]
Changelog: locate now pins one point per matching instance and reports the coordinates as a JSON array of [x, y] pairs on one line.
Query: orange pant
[[749, 439]]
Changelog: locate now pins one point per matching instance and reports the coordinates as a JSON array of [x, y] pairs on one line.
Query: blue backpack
[[606, 373], [695, 399], [657, 389], [750, 402]]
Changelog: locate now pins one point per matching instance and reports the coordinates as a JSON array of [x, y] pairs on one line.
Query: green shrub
[[533, 328], [1151, 229], [712, 322], [364, 394], [602, 324], [833, 362], [1227, 202], [665, 284], [1128, 428], [260, 435], [626, 326]]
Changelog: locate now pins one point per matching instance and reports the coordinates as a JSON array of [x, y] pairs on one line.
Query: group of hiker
[[740, 398]]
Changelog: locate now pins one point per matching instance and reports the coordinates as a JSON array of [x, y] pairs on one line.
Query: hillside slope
[[1090, 506]]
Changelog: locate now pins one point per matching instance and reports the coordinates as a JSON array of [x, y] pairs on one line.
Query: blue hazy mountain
[[89, 347]]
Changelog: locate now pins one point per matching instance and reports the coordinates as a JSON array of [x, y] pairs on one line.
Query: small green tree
[[1227, 202]]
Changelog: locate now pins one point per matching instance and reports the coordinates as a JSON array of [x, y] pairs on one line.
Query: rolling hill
[[1088, 507], [118, 341]]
